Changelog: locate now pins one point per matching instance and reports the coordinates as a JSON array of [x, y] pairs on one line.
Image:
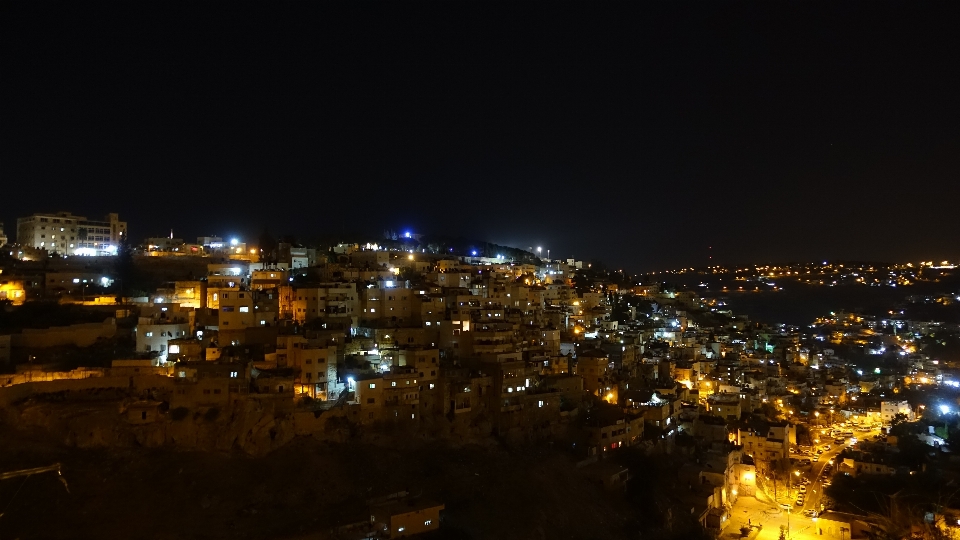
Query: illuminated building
[[67, 234], [890, 409], [13, 290]]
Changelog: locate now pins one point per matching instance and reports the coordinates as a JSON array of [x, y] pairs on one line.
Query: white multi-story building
[[153, 334], [890, 409], [67, 234]]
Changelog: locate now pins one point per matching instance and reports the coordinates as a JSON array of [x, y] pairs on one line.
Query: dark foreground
[[304, 490]]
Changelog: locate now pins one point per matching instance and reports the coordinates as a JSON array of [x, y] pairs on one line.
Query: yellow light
[[410, 257]]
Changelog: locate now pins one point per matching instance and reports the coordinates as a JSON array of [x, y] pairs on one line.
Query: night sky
[[641, 136]]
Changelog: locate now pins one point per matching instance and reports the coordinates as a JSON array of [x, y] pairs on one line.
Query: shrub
[[179, 413]]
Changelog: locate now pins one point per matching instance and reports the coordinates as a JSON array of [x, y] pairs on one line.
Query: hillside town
[[763, 430]]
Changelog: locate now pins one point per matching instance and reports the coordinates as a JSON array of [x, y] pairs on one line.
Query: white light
[[234, 242], [944, 409]]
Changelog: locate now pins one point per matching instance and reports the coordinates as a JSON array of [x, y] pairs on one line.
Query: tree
[[620, 311], [124, 266], [783, 532], [269, 248], [769, 410]]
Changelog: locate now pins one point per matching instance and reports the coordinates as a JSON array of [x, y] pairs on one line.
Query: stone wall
[[80, 335]]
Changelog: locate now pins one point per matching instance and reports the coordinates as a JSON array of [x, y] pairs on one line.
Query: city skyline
[[471, 270], [648, 137]]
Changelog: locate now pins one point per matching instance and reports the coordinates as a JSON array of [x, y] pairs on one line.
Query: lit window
[[233, 374], [174, 349], [394, 383], [149, 334], [244, 309], [428, 522], [373, 385], [401, 529]]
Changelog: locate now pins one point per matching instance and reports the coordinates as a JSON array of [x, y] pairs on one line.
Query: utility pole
[[788, 523]]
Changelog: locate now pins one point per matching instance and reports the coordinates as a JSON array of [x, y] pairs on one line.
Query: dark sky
[[638, 135]]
